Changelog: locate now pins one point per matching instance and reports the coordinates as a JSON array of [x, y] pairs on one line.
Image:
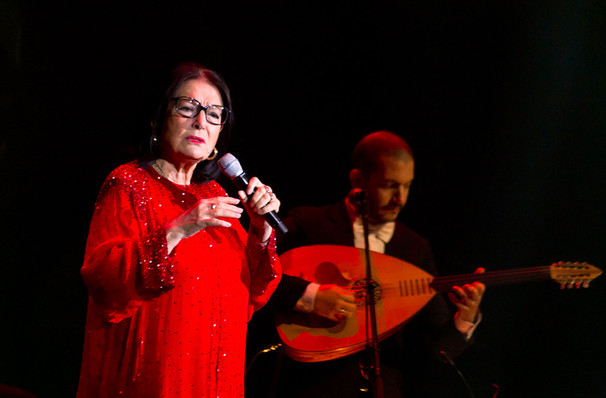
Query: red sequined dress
[[160, 324]]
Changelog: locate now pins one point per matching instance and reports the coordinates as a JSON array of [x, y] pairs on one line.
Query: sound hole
[[360, 291]]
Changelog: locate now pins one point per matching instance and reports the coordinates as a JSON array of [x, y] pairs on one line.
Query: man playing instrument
[[412, 360]]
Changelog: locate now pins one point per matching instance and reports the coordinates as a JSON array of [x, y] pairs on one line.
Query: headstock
[[573, 274]]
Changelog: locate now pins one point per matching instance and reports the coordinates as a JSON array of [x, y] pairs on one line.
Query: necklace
[[156, 167]]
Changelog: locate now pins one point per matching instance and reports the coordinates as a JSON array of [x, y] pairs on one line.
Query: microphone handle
[[272, 218]]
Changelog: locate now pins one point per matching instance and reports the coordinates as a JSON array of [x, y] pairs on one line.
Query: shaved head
[[375, 145]]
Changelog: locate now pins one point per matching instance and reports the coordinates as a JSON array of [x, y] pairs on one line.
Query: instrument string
[[418, 286]]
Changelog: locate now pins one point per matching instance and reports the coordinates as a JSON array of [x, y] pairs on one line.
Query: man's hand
[[467, 299], [334, 302]]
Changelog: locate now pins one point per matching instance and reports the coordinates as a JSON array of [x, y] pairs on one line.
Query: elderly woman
[[172, 276]]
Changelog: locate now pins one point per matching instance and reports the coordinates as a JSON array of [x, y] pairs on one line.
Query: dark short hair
[[372, 146], [183, 73]]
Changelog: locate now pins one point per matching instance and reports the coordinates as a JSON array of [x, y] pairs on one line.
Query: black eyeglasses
[[190, 108]]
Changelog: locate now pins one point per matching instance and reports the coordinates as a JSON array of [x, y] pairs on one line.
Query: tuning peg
[[575, 284]]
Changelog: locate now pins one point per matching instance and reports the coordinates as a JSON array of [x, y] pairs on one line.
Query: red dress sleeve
[[265, 271], [126, 259]]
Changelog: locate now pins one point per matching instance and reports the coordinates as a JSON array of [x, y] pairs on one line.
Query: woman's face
[[191, 140]]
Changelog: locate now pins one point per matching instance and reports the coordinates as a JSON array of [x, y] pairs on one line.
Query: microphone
[[230, 166], [357, 197]]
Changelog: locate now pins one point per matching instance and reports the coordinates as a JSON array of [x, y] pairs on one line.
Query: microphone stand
[[372, 347]]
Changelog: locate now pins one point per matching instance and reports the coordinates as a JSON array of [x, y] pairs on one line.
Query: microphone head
[[230, 166], [357, 196]]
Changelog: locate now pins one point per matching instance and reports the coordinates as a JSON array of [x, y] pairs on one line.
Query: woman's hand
[[262, 201], [205, 213]]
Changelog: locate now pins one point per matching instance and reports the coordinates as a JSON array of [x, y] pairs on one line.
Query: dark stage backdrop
[[503, 103]]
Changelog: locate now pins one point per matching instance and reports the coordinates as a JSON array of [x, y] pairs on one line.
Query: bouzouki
[[401, 290]]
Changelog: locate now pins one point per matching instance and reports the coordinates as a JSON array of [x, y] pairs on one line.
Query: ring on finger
[[213, 206], [271, 198]]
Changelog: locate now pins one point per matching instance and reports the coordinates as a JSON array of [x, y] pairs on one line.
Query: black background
[[502, 102]]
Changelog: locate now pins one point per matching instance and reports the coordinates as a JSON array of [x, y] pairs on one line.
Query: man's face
[[388, 188]]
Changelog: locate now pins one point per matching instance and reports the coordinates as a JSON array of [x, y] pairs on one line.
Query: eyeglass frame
[[200, 108]]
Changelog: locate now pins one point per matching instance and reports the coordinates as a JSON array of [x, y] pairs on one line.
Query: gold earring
[[215, 152]]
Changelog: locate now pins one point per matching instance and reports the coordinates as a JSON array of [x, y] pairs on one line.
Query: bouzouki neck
[[568, 274]]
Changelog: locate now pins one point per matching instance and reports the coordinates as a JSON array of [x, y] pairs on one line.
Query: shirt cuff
[[465, 327], [308, 299]]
